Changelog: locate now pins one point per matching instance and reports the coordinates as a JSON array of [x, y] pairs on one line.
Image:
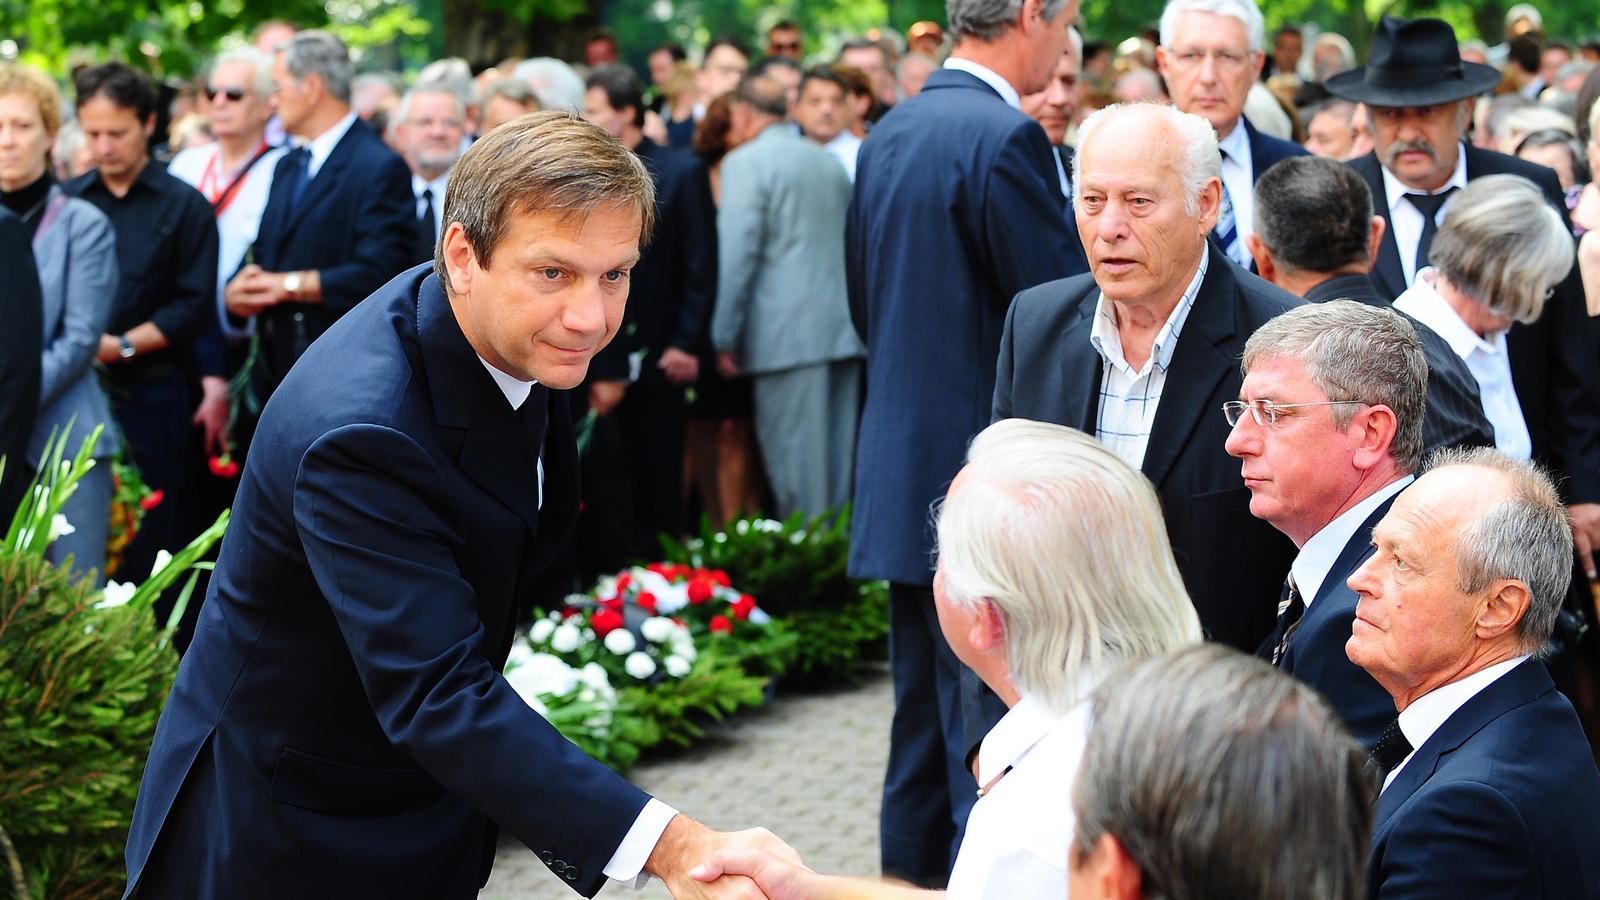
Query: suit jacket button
[[572, 875], [548, 857]]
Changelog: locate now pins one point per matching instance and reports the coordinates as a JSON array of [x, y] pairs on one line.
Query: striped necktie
[[1227, 227], [1290, 610]]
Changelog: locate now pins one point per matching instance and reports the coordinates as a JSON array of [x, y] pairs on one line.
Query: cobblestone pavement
[[809, 766]]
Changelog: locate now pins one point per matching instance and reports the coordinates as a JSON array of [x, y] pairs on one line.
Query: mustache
[[1417, 146]]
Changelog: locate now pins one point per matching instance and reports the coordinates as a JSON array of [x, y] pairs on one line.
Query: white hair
[[402, 112], [1504, 245], [1245, 11], [1519, 123], [1197, 158], [1068, 544], [1075, 41], [1525, 11], [557, 85], [261, 84]]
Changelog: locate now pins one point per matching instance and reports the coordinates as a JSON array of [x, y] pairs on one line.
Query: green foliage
[[679, 708]]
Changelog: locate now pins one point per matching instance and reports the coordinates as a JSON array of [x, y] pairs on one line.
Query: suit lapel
[[1198, 364], [1080, 401], [1387, 272], [1354, 553], [317, 190]]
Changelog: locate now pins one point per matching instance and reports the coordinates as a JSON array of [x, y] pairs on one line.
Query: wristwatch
[[291, 283], [125, 347]]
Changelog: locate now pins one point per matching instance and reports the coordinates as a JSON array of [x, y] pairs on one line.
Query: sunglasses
[[234, 94], [785, 45]]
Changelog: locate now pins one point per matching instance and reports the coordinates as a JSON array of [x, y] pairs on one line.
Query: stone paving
[[808, 766]]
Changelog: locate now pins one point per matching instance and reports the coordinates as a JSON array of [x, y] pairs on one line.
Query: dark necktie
[[1429, 205], [298, 162], [533, 413], [430, 233], [1227, 227], [1290, 609], [1391, 751]]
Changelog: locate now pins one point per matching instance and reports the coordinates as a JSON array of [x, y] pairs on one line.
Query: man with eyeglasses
[[1328, 426], [430, 124], [783, 39], [1210, 55]]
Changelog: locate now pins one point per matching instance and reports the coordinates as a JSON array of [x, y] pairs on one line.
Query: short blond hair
[[35, 85]]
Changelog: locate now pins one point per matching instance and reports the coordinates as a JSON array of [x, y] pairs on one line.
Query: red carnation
[[699, 590], [721, 578], [743, 606], [646, 601], [152, 500], [223, 466], [606, 621], [681, 572], [613, 603], [568, 612], [721, 625], [660, 568]]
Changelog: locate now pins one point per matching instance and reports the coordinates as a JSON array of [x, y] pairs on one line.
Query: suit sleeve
[[1025, 218], [375, 523], [194, 287], [741, 235], [91, 287], [1464, 839], [697, 245], [386, 235], [20, 341]]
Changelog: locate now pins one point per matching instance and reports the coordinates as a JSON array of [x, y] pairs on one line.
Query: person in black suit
[[955, 210], [1210, 56], [430, 128], [340, 221], [1316, 237], [340, 726], [20, 347], [1143, 352], [1328, 427], [1488, 785]]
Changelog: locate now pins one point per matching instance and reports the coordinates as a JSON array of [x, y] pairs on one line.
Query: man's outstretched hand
[[782, 879], [687, 845]]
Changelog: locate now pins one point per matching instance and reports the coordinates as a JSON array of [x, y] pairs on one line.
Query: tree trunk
[[484, 37]]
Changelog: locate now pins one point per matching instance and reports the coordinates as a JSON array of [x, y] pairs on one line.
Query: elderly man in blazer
[[781, 313], [1144, 350], [340, 726], [1488, 785]]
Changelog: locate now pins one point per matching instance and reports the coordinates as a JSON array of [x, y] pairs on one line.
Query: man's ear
[[459, 260], [1503, 609], [988, 628], [1106, 872], [1374, 239], [1265, 267]]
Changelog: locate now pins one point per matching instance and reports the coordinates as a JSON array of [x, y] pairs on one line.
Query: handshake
[[696, 862]]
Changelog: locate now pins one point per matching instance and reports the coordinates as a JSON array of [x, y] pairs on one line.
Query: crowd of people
[[1226, 340]]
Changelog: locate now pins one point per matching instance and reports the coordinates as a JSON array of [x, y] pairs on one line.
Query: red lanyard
[[208, 179]]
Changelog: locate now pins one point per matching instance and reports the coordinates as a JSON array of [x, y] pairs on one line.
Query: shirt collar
[[1023, 726], [1428, 713], [1322, 551], [1237, 145], [418, 185], [322, 145], [1425, 304], [515, 389], [987, 76], [1397, 191], [1107, 340]]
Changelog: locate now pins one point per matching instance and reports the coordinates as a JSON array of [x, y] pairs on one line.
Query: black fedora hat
[[1414, 62]]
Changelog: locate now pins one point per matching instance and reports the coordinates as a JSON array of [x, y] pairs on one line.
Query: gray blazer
[[76, 252], [781, 297]]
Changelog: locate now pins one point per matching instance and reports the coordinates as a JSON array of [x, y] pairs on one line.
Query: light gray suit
[[76, 252], [782, 308]]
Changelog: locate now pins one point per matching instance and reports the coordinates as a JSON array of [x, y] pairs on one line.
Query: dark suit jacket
[[1453, 416], [956, 209], [1502, 801], [21, 348], [355, 224], [1266, 150], [340, 727], [1232, 563], [1316, 656], [1553, 361]]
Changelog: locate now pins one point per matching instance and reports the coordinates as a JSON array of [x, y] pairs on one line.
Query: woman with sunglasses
[[75, 251]]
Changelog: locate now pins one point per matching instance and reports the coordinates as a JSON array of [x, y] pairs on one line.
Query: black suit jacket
[[340, 727], [21, 346], [1453, 416], [355, 224], [1316, 656], [1502, 801], [1232, 563], [1553, 360]]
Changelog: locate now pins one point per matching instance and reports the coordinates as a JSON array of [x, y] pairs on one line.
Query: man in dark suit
[[1055, 108], [430, 128], [20, 349], [1316, 236], [340, 220], [955, 210], [1328, 426], [1143, 352], [1489, 788], [1210, 56], [340, 727]]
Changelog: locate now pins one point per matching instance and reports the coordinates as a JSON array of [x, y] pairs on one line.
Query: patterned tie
[[1391, 751], [1227, 227], [1290, 610], [1429, 205]]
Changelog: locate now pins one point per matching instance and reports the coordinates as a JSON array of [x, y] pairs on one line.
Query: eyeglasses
[[234, 94], [1231, 60], [779, 46], [1266, 413]]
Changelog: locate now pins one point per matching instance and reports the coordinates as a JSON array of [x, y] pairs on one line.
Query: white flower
[[520, 654], [541, 630], [587, 695], [742, 526], [651, 582], [657, 630], [60, 527], [758, 616], [163, 559], [769, 526], [594, 675], [685, 649], [672, 598], [639, 665], [606, 586], [799, 537], [621, 642], [565, 639], [543, 674], [116, 593], [677, 666]]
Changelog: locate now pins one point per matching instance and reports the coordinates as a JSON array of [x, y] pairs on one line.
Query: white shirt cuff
[[627, 864]]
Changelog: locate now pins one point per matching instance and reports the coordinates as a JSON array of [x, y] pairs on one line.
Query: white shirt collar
[[1319, 554], [322, 145], [987, 76], [1023, 726], [1428, 713], [1425, 304], [516, 390], [1397, 191], [438, 185], [1237, 144], [1106, 338]]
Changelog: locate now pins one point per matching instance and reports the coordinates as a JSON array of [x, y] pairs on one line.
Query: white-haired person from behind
[[1054, 568]]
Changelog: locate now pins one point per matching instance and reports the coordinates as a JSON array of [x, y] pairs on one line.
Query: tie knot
[[1391, 750], [427, 194], [1430, 204]]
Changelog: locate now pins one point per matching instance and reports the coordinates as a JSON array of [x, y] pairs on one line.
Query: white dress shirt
[[438, 185], [1237, 174], [1319, 554], [1129, 399], [322, 145], [987, 76], [1428, 713], [845, 148], [1486, 358], [1406, 220], [1020, 830]]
